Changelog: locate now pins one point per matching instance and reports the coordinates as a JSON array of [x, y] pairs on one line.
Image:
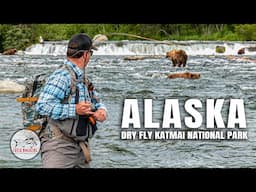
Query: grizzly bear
[[10, 52], [178, 57], [187, 75], [241, 51]]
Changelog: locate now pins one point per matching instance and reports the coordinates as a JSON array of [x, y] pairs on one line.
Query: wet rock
[[100, 38], [142, 57], [7, 86], [251, 49], [220, 49]]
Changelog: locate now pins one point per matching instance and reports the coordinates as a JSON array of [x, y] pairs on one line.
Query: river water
[[117, 79]]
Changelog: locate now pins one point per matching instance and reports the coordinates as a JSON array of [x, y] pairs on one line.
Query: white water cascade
[[126, 47]]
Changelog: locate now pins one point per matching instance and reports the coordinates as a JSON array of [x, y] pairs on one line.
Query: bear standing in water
[[10, 52], [178, 57]]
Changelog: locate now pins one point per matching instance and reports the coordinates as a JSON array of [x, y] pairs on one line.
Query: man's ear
[[85, 54]]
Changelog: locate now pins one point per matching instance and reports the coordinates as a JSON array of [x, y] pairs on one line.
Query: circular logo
[[25, 144]]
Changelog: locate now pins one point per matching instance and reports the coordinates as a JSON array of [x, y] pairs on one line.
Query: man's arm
[[101, 111], [50, 99], [99, 115]]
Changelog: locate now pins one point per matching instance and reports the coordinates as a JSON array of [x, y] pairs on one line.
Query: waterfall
[[126, 47]]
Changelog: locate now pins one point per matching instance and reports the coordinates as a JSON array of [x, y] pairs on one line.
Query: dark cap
[[81, 42]]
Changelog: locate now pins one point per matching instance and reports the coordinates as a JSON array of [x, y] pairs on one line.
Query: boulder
[[100, 38], [220, 49], [8, 86]]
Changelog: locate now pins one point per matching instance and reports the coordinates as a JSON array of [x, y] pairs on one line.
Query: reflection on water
[[117, 79]]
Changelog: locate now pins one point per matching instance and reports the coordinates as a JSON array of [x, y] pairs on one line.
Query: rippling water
[[117, 79]]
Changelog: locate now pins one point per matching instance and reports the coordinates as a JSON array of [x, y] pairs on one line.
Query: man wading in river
[[72, 107]]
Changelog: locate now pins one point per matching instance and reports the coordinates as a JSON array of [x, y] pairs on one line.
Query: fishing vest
[[82, 127]]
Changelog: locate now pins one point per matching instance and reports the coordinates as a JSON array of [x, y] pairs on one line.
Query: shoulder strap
[[35, 83], [89, 84], [73, 78], [74, 81]]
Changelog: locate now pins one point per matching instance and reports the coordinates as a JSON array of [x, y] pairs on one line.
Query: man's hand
[[99, 115], [83, 108]]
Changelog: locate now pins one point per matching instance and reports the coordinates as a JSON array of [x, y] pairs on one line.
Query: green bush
[[17, 36], [23, 35], [246, 32]]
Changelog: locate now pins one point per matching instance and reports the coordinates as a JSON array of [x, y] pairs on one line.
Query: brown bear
[[10, 52], [187, 75], [241, 51], [178, 57]]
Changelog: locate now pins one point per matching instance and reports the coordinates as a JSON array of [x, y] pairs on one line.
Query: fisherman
[[72, 110]]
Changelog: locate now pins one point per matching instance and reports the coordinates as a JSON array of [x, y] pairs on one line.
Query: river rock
[[251, 49], [7, 86], [140, 57], [220, 49], [100, 38]]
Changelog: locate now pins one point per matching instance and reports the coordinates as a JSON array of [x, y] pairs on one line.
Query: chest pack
[[81, 128]]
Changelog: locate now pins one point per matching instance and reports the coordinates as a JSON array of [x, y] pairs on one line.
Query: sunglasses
[[91, 52]]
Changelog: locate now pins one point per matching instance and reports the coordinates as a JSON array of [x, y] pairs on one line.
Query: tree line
[[20, 36]]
